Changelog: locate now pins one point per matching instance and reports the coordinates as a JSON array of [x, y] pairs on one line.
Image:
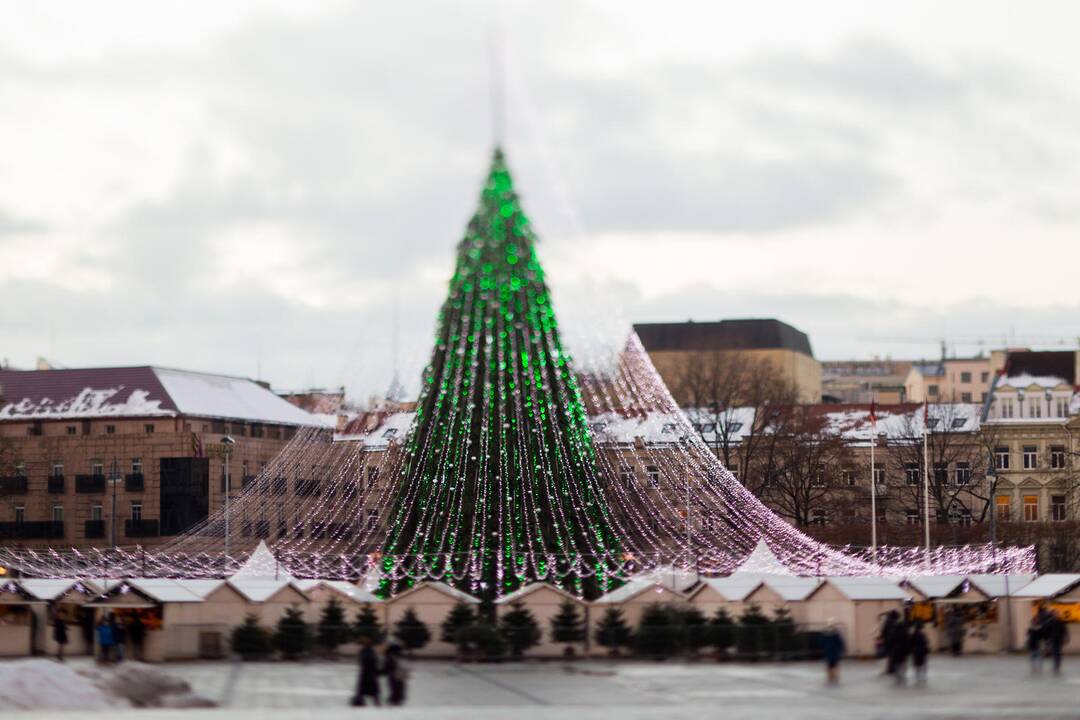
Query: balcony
[[133, 482], [90, 484], [246, 480], [56, 484], [14, 485], [94, 529], [31, 530], [140, 528], [307, 488]]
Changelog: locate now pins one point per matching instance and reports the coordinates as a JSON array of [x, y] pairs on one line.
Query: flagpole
[[873, 480], [926, 473]]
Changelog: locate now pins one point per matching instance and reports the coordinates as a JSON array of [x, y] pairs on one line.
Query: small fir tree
[[658, 632], [753, 627], [250, 641], [367, 625], [411, 632], [460, 616], [568, 626], [333, 630], [482, 640], [783, 631], [722, 631], [695, 629], [519, 627], [612, 632], [293, 636]]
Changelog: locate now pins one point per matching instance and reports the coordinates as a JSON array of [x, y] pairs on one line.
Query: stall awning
[[125, 605]]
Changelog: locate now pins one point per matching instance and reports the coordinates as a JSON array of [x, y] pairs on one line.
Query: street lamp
[[991, 475], [228, 442]]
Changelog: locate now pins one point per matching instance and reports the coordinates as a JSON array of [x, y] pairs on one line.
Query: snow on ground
[[48, 685]]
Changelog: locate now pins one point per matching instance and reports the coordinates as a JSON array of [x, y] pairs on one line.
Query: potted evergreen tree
[[250, 641], [293, 636], [694, 629], [753, 628], [333, 630], [568, 626], [460, 617], [722, 632], [612, 632], [367, 625], [657, 634], [519, 627], [411, 632]]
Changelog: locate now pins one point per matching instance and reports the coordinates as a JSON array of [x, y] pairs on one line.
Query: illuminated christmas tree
[[499, 482]]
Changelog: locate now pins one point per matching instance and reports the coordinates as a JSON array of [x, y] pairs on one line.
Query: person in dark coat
[[920, 649], [105, 639], [367, 684], [832, 647], [137, 632], [86, 622], [1056, 635], [891, 618], [899, 647], [1035, 635], [955, 629], [60, 636], [397, 674], [119, 637]]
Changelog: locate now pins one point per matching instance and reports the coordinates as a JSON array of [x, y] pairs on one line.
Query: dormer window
[[389, 433], [958, 423], [734, 427], [932, 423], [599, 427], [668, 429]]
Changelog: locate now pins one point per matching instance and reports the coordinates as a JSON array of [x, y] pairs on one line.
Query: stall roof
[[790, 587], [52, 588], [343, 587], [441, 587], [734, 587], [163, 590], [634, 587], [260, 589], [529, 589], [935, 586], [1049, 585], [997, 585], [867, 587]]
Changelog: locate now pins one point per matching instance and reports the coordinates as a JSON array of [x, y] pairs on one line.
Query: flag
[[873, 413], [925, 416]]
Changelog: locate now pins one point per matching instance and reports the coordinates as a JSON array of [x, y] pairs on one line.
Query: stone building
[[960, 380], [675, 348], [74, 444]]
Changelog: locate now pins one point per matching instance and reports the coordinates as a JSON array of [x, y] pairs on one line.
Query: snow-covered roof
[[257, 589], [142, 392], [261, 563], [762, 560], [935, 586], [441, 587], [1025, 381], [201, 587], [791, 588], [1049, 585], [529, 589], [632, 588], [1000, 585], [342, 587], [394, 428], [53, 588], [867, 587], [734, 587], [652, 427], [163, 590]]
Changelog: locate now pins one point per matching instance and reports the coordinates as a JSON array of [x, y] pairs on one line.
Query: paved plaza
[[965, 688]]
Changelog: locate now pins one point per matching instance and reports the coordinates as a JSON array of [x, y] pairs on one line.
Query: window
[[149, 428], [932, 423], [708, 428], [911, 473], [819, 517], [1035, 408], [959, 423], [626, 475], [963, 473], [849, 477], [136, 512], [1005, 408], [932, 390], [70, 429], [95, 513], [1031, 508], [879, 474], [668, 429], [941, 473], [136, 466], [984, 377], [1057, 508], [58, 513], [1057, 457], [963, 517], [964, 397], [97, 469], [389, 433], [911, 517], [965, 377], [1003, 508], [1062, 407], [20, 513], [372, 478], [20, 469], [654, 475], [58, 469], [1001, 458], [708, 521], [373, 520], [110, 429], [1031, 457], [599, 427], [734, 427]]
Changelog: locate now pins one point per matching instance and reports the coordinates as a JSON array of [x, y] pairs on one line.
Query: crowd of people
[[112, 634], [902, 640], [391, 665]]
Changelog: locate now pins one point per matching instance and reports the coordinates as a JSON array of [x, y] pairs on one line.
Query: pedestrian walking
[[367, 684], [397, 674], [832, 647], [137, 631], [105, 639], [885, 639], [119, 637], [920, 650], [899, 644], [60, 636], [955, 630], [1056, 636], [1035, 635]]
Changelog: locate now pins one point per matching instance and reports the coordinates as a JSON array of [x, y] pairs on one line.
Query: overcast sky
[[252, 188]]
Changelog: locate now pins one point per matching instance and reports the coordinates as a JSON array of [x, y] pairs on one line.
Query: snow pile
[[90, 402], [48, 685]]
